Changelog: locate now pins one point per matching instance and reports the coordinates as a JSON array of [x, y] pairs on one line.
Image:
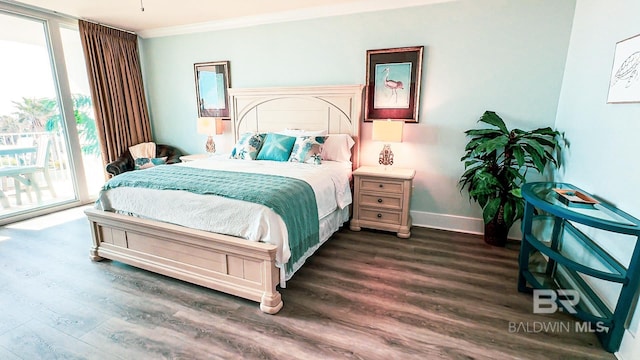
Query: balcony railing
[[57, 159], [31, 162]]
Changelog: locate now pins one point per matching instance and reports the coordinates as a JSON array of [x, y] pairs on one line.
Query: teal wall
[[503, 55], [603, 158]]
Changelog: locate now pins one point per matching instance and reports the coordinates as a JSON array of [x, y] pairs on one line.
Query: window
[[49, 151]]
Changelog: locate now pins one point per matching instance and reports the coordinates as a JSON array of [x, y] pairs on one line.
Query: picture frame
[[624, 83], [392, 89], [212, 89]]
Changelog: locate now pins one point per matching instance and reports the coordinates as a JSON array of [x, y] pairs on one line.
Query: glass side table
[[558, 252]]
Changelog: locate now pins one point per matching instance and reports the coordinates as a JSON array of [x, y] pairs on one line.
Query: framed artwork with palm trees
[[392, 89], [212, 89]]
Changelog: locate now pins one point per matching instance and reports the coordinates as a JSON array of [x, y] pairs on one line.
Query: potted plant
[[496, 164]]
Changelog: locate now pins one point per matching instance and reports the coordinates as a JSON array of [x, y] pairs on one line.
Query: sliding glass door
[[83, 110], [48, 142]]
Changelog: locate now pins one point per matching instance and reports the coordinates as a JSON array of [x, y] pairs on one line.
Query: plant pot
[[495, 233]]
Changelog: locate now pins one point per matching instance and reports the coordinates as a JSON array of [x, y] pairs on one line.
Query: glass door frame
[[52, 24]]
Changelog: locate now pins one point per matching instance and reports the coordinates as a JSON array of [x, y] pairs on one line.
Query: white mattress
[[255, 222]]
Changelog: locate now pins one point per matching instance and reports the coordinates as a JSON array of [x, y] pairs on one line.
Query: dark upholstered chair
[[125, 162]]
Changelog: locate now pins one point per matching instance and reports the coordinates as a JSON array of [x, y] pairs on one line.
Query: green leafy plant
[[43, 114], [496, 163]]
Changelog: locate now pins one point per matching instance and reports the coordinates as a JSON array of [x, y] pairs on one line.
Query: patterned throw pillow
[[248, 146], [145, 163], [307, 149], [276, 147]]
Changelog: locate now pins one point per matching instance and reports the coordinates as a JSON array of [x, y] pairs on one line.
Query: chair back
[[43, 153]]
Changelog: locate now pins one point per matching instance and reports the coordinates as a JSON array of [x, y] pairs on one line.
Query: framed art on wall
[[212, 89], [392, 89], [624, 84]]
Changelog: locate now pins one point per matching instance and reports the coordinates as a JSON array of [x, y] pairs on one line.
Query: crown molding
[[286, 16]]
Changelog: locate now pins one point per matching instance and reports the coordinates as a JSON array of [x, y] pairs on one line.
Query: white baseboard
[[463, 224], [447, 222]]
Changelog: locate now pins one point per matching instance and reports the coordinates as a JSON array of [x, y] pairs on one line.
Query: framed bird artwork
[[392, 89]]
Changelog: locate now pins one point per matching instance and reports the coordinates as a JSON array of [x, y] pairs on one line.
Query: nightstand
[[187, 158], [382, 199]]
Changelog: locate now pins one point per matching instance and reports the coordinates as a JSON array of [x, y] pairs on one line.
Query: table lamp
[[387, 131], [210, 126]]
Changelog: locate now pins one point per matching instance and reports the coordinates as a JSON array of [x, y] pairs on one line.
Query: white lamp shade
[[210, 125], [387, 131]]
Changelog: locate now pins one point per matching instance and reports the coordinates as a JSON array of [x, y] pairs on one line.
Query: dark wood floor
[[364, 295]]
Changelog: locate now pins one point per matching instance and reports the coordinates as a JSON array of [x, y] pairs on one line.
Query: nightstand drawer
[[381, 201], [380, 185], [382, 216]]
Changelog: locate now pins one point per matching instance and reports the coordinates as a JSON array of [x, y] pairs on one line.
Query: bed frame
[[229, 264]]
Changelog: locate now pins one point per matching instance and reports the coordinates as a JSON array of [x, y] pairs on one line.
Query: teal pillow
[[276, 147], [145, 163], [248, 146]]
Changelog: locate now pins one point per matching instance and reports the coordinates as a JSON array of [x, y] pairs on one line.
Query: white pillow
[[302, 132], [143, 150], [337, 147]]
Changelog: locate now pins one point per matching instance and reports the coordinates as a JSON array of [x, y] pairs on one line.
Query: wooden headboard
[[337, 109]]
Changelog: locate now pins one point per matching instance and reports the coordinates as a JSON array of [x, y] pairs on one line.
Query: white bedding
[[255, 222]]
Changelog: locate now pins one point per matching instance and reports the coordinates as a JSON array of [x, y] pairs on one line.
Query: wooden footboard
[[235, 266]]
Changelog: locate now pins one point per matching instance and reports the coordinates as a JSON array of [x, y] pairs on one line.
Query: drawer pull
[[381, 185], [379, 215], [380, 201]]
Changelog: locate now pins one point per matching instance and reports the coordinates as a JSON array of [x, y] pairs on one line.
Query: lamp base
[[386, 156], [210, 146]]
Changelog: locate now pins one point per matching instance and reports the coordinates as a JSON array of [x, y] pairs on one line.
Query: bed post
[[93, 253], [271, 301]]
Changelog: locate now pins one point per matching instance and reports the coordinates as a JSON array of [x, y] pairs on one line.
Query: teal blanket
[[292, 199]]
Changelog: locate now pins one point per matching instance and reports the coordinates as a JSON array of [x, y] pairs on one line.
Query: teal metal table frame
[[553, 230]]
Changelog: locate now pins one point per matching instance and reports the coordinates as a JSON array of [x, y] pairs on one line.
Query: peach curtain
[[115, 78]]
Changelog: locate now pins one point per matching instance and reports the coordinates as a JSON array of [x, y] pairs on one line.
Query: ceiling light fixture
[[141, 6]]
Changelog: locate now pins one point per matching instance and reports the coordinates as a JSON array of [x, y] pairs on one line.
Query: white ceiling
[[166, 17]]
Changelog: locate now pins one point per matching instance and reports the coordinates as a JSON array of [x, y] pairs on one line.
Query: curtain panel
[[115, 78]]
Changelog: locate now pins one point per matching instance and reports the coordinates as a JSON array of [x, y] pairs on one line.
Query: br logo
[[545, 301]]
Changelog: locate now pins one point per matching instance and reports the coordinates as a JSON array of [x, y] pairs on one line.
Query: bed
[[224, 260]]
